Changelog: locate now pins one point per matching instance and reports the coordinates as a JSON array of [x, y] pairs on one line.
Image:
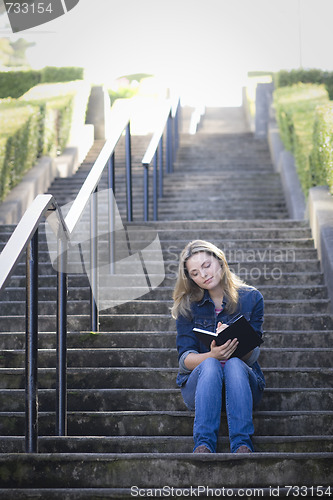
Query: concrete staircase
[[127, 424]]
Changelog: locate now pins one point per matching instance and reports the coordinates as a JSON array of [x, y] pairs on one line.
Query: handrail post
[[155, 189], [176, 129], [160, 166], [169, 160], [146, 192], [112, 215], [129, 174], [31, 353], [61, 387], [94, 320]]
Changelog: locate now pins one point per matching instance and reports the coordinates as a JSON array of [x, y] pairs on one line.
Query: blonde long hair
[[187, 291]]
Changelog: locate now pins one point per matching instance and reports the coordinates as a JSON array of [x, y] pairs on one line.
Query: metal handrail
[[120, 121], [169, 123], [25, 238], [23, 233]]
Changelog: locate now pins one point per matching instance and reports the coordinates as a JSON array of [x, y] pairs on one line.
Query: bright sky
[[205, 45]]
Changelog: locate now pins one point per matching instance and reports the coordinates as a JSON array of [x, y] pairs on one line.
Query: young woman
[[208, 295]]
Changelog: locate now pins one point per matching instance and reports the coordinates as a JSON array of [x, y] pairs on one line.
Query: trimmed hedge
[[321, 157], [16, 83], [51, 74], [37, 124], [295, 113], [285, 78], [55, 103], [55, 124], [19, 125]]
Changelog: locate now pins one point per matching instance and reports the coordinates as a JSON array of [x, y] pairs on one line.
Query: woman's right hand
[[224, 351]]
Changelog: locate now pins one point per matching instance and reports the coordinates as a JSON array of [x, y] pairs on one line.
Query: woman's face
[[205, 270]]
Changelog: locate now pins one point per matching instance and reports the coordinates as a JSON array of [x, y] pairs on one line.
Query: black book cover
[[241, 329]]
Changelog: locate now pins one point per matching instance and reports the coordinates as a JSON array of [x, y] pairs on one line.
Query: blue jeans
[[203, 393]]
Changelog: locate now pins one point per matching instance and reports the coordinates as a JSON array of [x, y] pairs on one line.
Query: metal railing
[[25, 238], [168, 125]]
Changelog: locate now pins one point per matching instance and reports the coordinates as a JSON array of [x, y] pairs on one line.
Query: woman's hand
[[224, 351], [221, 352], [221, 326]]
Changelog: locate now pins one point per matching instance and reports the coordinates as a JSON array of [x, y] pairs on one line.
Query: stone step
[[163, 444], [252, 278], [180, 213], [144, 339], [252, 194], [242, 237], [168, 423], [252, 269], [147, 306], [199, 224], [80, 470], [270, 293], [160, 322], [265, 246], [154, 357], [288, 399], [249, 255], [203, 204], [162, 378], [239, 250], [259, 189]]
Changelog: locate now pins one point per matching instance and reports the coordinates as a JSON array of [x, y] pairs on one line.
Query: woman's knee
[[235, 366], [211, 367]]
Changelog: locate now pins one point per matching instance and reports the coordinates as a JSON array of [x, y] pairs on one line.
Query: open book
[[241, 329]]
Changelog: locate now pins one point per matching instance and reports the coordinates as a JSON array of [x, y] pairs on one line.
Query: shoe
[[243, 449], [202, 449]]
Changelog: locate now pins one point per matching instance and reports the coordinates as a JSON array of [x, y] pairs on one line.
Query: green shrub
[[55, 102], [328, 81], [295, 113], [37, 123], [19, 125], [54, 125], [16, 83], [122, 93], [321, 157], [127, 86], [51, 74], [285, 78]]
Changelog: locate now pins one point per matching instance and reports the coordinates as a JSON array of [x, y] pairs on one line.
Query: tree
[[6, 51], [18, 57]]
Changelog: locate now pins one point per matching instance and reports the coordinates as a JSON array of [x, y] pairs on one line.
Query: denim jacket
[[250, 305]]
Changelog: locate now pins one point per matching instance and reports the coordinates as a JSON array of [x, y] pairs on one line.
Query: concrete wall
[[320, 212]]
